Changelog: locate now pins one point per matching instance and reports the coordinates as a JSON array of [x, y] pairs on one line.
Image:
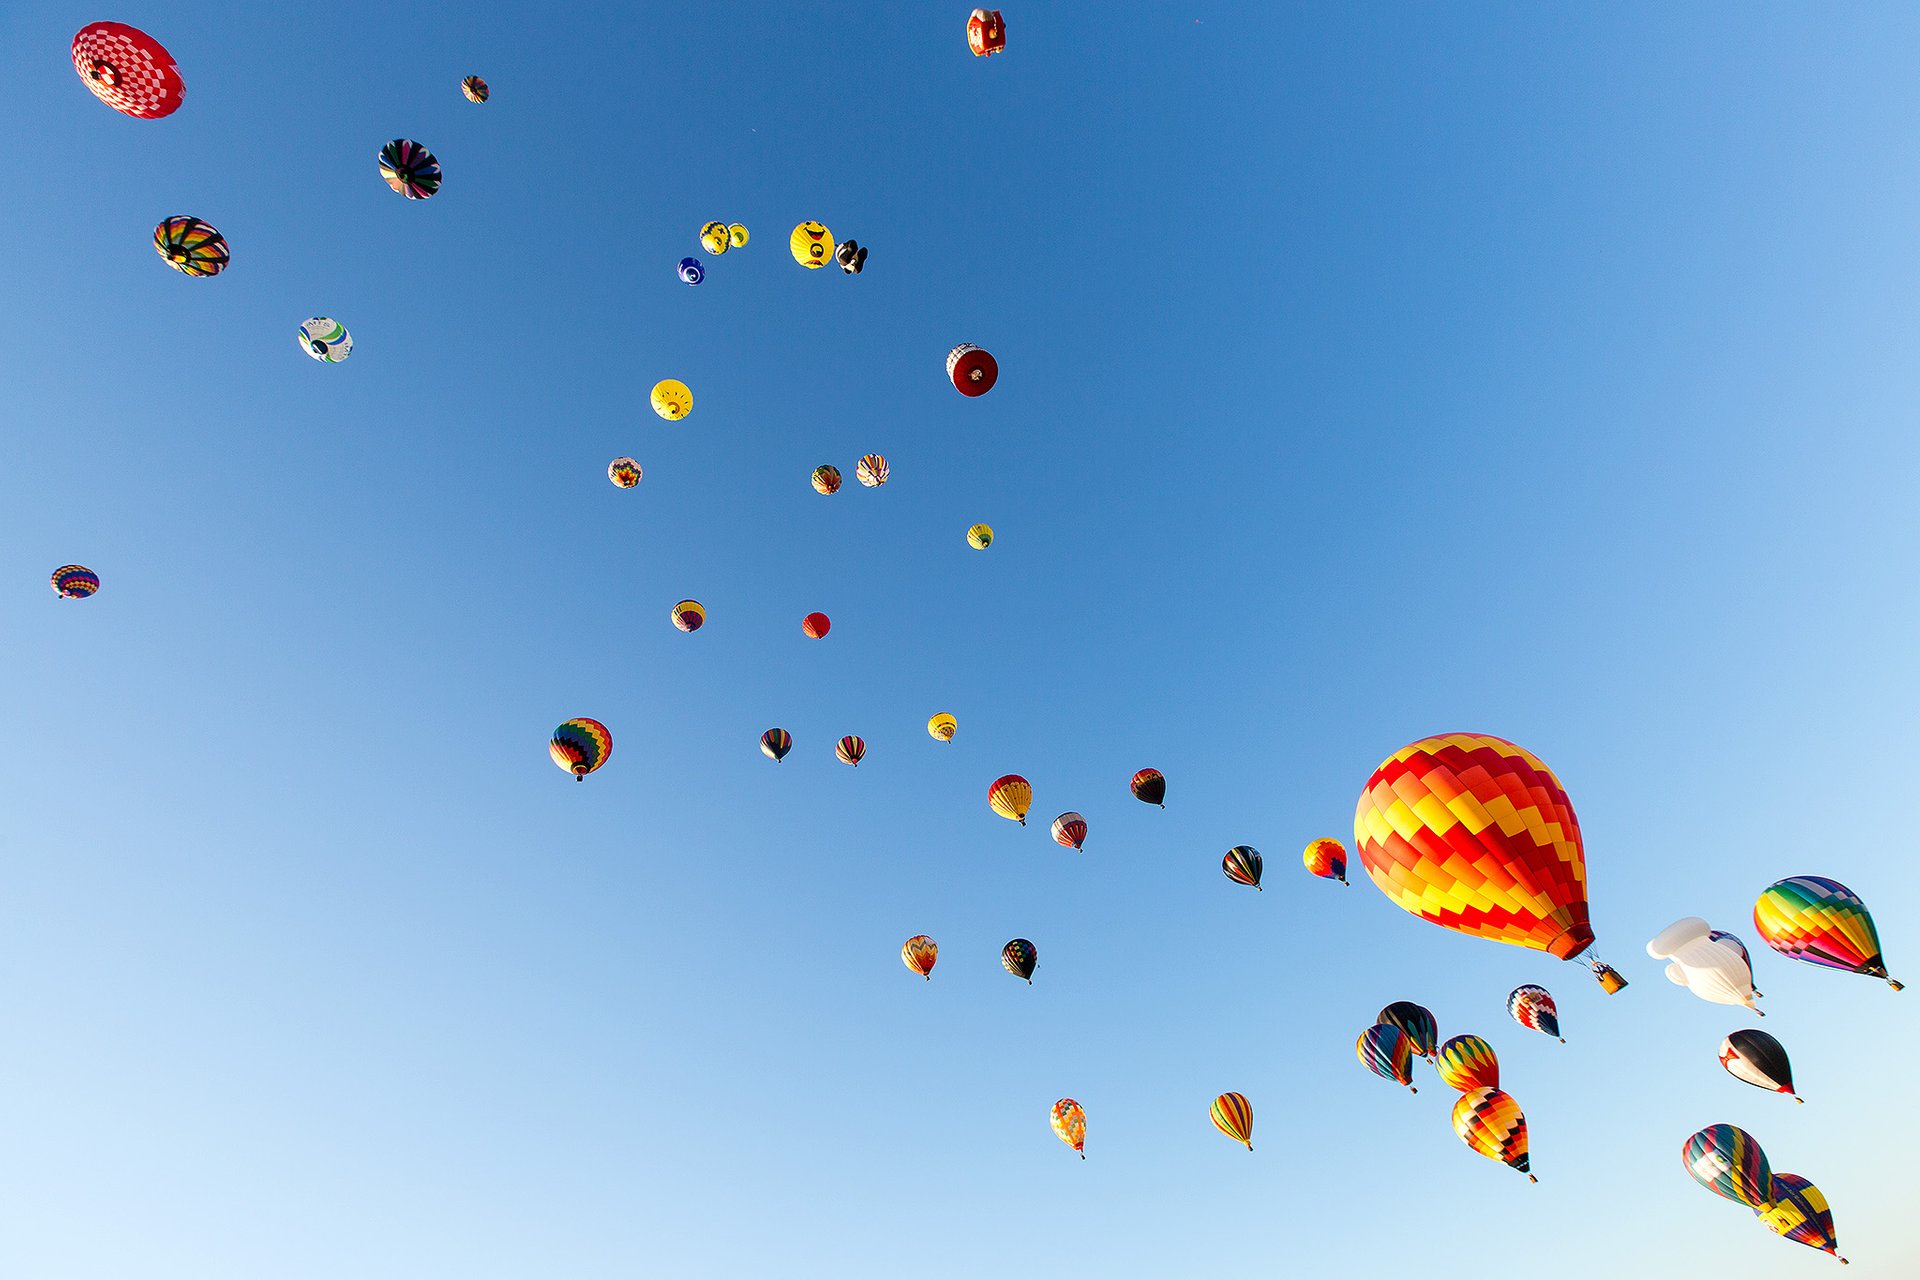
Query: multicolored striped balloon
[[689, 615], [410, 169], [1069, 1122], [1492, 1123], [826, 479], [1533, 1008], [1822, 922], [1326, 858], [1728, 1162], [1018, 958], [580, 746], [775, 743], [919, 953], [1242, 865], [191, 246], [871, 470], [1070, 829], [475, 88], [75, 582], [1387, 1052], [624, 472], [1798, 1211], [850, 750], [1150, 787], [1467, 1063], [1233, 1116], [1423, 1033], [1011, 797]]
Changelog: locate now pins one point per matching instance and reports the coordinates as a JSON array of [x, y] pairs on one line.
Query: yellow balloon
[[812, 245], [943, 727], [672, 400], [737, 234], [713, 238], [980, 537]]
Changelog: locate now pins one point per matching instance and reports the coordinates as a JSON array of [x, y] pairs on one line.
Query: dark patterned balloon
[[75, 581], [1018, 958], [191, 246], [410, 168]]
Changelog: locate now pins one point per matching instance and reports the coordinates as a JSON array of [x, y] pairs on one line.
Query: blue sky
[[1367, 372]]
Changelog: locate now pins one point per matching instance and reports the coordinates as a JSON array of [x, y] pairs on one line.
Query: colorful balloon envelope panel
[[1010, 797], [75, 582], [1423, 1033], [980, 537], [972, 371], [191, 246], [1726, 1160], [1760, 1060], [1150, 787], [624, 472], [1822, 922], [1070, 830], [689, 615], [671, 399], [1018, 958], [811, 245], [128, 70], [1232, 1115], [1069, 1120], [941, 727], [919, 953], [325, 339], [871, 470], [1476, 835], [1386, 1051], [1242, 865], [1326, 858], [475, 89], [815, 626], [1533, 1008], [775, 743], [1798, 1211], [986, 33], [1492, 1123], [580, 746], [410, 169], [1467, 1063], [851, 750], [826, 480]]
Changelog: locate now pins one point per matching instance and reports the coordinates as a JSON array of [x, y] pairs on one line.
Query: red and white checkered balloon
[[128, 70]]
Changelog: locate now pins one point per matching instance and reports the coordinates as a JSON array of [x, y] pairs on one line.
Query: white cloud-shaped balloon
[[1711, 969]]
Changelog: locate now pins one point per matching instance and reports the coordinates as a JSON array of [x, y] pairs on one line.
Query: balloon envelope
[[919, 953], [1011, 797], [1423, 1034], [1467, 1063], [1758, 1059], [980, 537], [1492, 1123], [871, 470], [941, 727], [1069, 1121], [1386, 1051], [826, 479], [1233, 1116], [1326, 858], [75, 581], [624, 472], [1728, 1162], [1822, 922], [815, 625], [410, 169], [1242, 865], [811, 244], [1018, 958], [1798, 1211], [476, 89], [850, 749], [1150, 787], [775, 743], [191, 246], [671, 399], [580, 746], [324, 339], [128, 70], [1533, 1008], [1070, 829]]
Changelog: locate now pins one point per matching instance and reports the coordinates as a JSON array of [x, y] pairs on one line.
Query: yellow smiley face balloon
[[672, 400], [812, 245], [737, 234], [713, 238]]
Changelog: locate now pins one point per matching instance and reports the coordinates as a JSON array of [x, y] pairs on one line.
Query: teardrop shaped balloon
[[410, 169], [1492, 1123], [1423, 1033], [1474, 834], [1760, 1060], [871, 470], [1326, 858], [1018, 958], [815, 626], [671, 399], [1069, 1122], [1728, 1162], [325, 339], [850, 749], [580, 746], [191, 246], [1467, 1063], [1150, 787], [624, 472], [1387, 1052], [775, 743], [1070, 829], [1822, 922], [128, 70], [1233, 1115], [75, 582], [1242, 865], [919, 953], [689, 615], [980, 537], [826, 479], [1011, 797], [1798, 1211], [942, 727], [1533, 1008]]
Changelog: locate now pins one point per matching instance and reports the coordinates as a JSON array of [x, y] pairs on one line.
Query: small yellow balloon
[[713, 238], [672, 400], [943, 727], [812, 245], [737, 234], [980, 537]]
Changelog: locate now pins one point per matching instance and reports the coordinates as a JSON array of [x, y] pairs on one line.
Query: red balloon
[[816, 625], [128, 70]]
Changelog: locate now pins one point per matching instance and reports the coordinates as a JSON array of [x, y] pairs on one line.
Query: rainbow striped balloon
[[580, 746], [1467, 1063], [1726, 1160], [1822, 922], [1423, 1033], [1233, 1116], [1386, 1051]]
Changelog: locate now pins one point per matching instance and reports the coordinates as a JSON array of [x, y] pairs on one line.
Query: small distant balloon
[[714, 238], [410, 169], [1011, 797], [986, 33], [1018, 958], [942, 727], [736, 235], [980, 537], [689, 615], [1386, 1051], [624, 472], [1150, 787], [871, 470], [325, 340], [475, 88], [851, 257], [75, 582], [775, 743], [1233, 1115], [815, 625], [691, 271], [1070, 829], [1760, 1060], [1533, 1008], [672, 399], [972, 370], [1327, 858], [826, 479], [580, 746], [919, 953], [191, 246], [1242, 865], [1069, 1122], [850, 749]]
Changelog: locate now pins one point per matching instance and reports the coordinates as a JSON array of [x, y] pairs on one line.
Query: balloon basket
[[1610, 980]]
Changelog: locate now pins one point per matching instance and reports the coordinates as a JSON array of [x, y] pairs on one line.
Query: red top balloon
[[128, 70], [816, 625]]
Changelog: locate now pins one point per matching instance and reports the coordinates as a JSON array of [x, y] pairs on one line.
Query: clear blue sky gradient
[[1368, 371]]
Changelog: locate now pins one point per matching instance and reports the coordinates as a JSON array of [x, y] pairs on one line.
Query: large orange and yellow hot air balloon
[[1011, 797], [1475, 834]]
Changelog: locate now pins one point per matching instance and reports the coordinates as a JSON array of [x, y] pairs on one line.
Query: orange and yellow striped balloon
[[1326, 858], [1070, 1123], [689, 615], [1011, 797], [1233, 1116], [919, 953], [1491, 1123]]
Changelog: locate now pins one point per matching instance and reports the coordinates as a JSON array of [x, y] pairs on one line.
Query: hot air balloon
[[1467, 1063], [826, 479], [1760, 1060], [919, 953], [691, 271], [1715, 973], [1011, 797], [1739, 948], [624, 472], [128, 70], [871, 470], [815, 625], [1070, 829], [1822, 922], [1150, 787], [1474, 834], [410, 168], [191, 246], [1326, 858], [1533, 1008], [1423, 1034], [714, 238], [1492, 1123], [75, 582], [325, 340], [942, 727], [987, 35], [736, 235], [1728, 1162], [1387, 1052], [689, 615], [980, 537], [1233, 1116], [671, 399], [850, 750], [1798, 1211], [476, 89], [1070, 1123], [972, 370], [851, 257], [580, 746], [1242, 865], [1018, 958], [811, 245], [775, 743]]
